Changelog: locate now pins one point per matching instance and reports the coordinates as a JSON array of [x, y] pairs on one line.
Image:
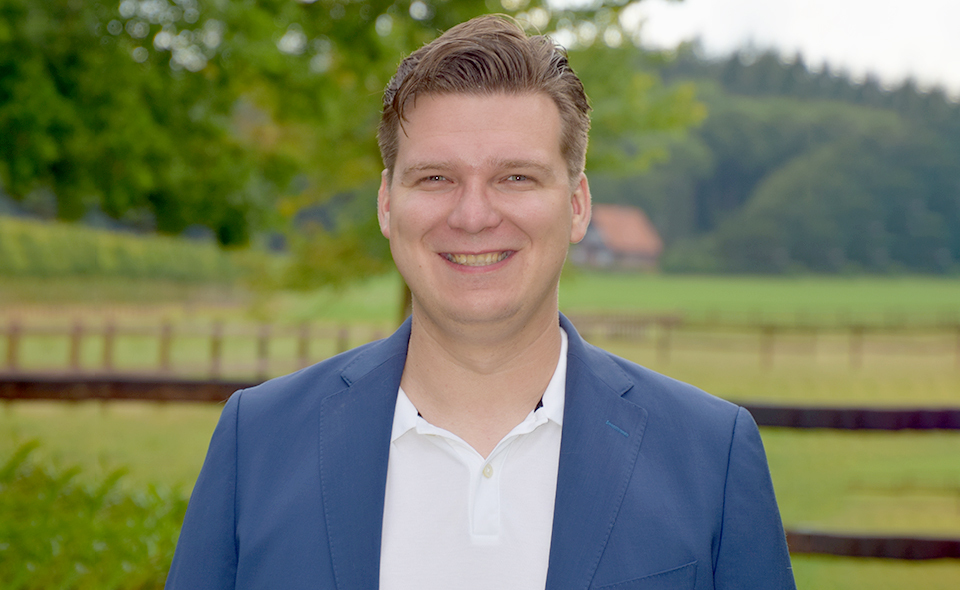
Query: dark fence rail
[[66, 387], [914, 548], [856, 418], [79, 387]]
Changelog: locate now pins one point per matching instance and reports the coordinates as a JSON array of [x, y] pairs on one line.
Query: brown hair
[[487, 55]]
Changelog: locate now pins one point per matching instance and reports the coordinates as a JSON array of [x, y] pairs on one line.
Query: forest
[[797, 169]]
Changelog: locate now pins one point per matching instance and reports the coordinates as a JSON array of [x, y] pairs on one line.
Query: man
[[484, 444]]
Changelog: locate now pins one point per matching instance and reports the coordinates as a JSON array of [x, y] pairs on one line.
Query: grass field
[[584, 292], [872, 482], [884, 378], [378, 299], [818, 296]]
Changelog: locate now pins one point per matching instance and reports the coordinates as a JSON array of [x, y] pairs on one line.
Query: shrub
[[59, 534]]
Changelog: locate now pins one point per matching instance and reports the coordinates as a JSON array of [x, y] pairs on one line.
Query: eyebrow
[[498, 164]]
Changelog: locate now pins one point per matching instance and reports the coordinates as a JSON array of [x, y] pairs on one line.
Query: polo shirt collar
[[406, 417]]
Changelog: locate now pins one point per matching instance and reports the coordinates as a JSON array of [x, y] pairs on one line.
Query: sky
[[891, 39]]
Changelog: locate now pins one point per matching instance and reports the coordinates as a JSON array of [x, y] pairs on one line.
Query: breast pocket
[[678, 578]]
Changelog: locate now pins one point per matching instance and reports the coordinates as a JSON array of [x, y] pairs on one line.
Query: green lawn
[[818, 297], [886, 377], [378, 299], [158, 443], [838, 573], [824, 296]]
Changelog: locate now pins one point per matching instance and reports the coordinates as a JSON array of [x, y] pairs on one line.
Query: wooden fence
[[79, 347], [210, 374], [207, 356], [773, 337]]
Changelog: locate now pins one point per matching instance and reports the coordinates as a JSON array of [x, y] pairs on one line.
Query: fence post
[[663, 342], [957, 328], [767, 341], [76, 337], [109, 331], [303, 345], [13, 345], [216, 349], [856, 346], [166, 342], [263, 351], [343, 336]]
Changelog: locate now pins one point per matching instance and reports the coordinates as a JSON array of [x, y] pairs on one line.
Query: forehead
[[475, 127]]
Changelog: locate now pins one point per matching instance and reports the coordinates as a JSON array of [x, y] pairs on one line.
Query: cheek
[[552, 223], [417, 217]]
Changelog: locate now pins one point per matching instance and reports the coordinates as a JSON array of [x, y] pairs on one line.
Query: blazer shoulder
[[659, 394], [328, 376]]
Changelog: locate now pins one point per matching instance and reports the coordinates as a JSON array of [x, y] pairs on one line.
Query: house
[[619, 237]]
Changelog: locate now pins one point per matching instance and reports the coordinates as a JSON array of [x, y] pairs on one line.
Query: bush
[[59, 534]]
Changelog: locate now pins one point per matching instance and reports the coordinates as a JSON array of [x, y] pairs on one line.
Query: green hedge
[[54, 249], [58, 534]]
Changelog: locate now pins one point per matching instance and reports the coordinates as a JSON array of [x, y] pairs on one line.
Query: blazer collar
[[599, 447], [354, 445]]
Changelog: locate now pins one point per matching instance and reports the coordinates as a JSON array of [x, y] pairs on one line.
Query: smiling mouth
[[477, 259]]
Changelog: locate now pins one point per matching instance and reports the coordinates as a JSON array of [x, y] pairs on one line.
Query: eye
[[518, 178], [435, 178]]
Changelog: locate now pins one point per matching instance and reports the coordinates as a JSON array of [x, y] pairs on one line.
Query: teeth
[[477, 259]]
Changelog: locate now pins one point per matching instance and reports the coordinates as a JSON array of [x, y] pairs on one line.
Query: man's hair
[[484, 56]]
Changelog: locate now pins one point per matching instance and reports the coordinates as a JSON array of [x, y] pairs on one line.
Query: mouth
[[477, 259]]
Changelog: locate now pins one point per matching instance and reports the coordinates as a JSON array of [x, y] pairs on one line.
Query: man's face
[[480, 210]]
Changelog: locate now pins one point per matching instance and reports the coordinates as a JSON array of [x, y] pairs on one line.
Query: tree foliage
[[800, 170], [236, 115]]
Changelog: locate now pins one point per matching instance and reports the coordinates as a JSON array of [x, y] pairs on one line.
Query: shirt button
[[488, 471]]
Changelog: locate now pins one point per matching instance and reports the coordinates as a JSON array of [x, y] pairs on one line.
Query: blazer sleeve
[[206, 554], [752, 552]]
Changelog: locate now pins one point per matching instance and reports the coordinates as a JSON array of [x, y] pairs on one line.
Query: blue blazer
[[659, 486]]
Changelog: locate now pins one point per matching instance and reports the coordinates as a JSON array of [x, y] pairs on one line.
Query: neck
[[475, 384]]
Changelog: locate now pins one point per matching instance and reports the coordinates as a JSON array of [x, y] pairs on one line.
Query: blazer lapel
[[599, 448], [355, 427]]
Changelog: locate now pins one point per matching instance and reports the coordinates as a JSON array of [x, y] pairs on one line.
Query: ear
[[383, 204], [580, 200]]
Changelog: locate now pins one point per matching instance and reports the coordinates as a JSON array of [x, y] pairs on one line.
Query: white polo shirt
[[453, 519]]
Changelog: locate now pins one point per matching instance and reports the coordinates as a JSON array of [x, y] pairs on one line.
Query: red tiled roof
[[626, 230]]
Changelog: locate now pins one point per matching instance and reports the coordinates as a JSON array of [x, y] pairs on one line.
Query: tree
[[237, 115]]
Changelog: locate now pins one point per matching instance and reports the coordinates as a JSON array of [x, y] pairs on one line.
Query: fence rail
[[80, 387], [99, 347], [913, 548], [208, 355], [771, 337]]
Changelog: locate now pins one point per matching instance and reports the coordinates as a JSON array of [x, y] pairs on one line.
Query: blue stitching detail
[[617, 428]]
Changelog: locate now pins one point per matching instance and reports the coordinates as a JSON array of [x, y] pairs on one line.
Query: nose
[[474, 210]]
